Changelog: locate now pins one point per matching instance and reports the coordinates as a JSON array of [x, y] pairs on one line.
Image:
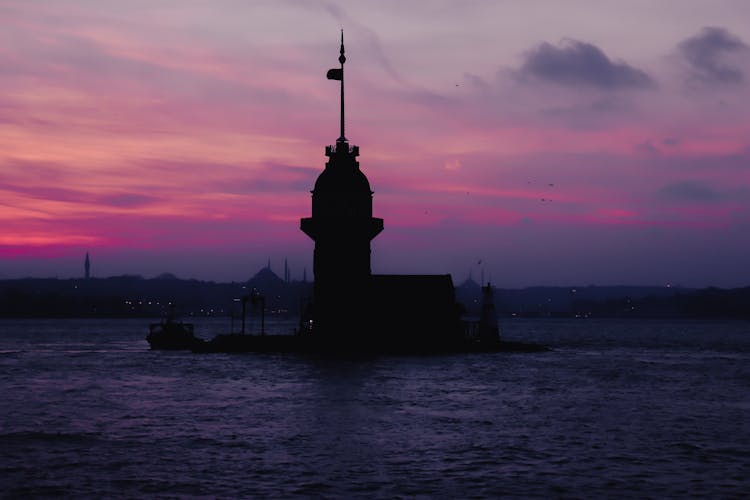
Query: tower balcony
[[338, 227], [352, 150]]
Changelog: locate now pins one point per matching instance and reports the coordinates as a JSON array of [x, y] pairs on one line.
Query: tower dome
[[342, 189]]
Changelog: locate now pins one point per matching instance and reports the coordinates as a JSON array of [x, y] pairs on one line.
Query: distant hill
[[135, 296], [611, 301]]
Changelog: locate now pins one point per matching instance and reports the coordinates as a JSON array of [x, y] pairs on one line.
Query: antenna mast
[[342, 60]]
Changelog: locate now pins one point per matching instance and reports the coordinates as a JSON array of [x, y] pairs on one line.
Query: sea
[[616, 409]]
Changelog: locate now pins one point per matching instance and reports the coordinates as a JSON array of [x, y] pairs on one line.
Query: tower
[[342, 227], [488, 329], [87, 267]]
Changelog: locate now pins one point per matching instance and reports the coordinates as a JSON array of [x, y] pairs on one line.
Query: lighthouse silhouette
[[342, 227], [353, 308]]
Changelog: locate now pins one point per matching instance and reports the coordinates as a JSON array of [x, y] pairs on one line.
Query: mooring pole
[[244, 308]]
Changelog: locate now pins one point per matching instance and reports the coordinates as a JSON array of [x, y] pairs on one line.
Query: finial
[[342, 57]]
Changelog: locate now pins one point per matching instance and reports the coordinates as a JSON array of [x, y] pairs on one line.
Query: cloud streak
[[579, 63], [690, 191]]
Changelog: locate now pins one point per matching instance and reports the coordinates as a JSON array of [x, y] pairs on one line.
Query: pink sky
[[561, 143]]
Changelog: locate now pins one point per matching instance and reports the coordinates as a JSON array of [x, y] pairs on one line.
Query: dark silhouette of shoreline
[[138, 297]]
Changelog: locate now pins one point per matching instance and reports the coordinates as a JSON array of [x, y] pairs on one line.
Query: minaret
[[342, 227], [87, 267]]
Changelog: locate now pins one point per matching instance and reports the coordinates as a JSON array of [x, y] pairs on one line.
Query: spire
[[87, 267], [338, 74], [342, 60]]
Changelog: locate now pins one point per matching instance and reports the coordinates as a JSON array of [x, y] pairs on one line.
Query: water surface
[[619, 408]]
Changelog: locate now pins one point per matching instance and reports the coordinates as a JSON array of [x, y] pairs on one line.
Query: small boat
[[170, 334]]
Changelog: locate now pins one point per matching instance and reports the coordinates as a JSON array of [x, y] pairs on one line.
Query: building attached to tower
[[351, 306]]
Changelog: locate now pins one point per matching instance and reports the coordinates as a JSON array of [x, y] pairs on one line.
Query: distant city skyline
[[542, 143]]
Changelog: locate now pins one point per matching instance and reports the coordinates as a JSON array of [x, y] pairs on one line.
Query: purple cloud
[[689, 191], [271, 177], [127, 200], [580, 63], [706, 52]]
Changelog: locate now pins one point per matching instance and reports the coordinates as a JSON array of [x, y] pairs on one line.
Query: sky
[[531, 142]]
